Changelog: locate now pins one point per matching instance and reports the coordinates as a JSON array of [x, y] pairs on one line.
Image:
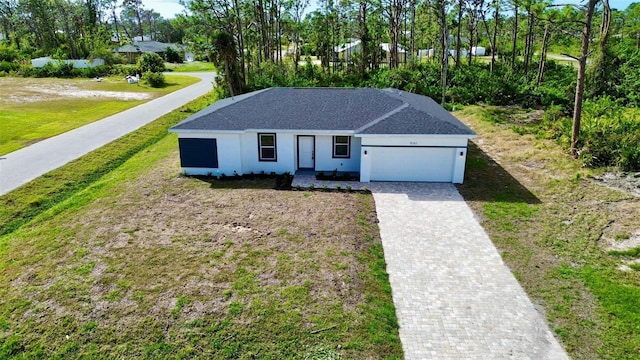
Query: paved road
[[21, 166], [454, 297]]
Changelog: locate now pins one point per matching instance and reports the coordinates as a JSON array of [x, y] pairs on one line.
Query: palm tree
[[225, 53]]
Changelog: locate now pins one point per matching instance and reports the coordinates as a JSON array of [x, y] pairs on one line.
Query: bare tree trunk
[[236, 10], [394, 24], [582, 62], [528, 49], [259, 44], [412, 43], [278, 32], [515, 37], [494, 45], [471, 39], [445, 47], [140, 24], [264, 31], [115, 21], [543, 53], [364, 38], [459, 34]]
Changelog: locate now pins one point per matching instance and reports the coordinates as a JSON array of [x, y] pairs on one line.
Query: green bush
[[609, 134], [155, 80], [106, 54], [6, 66], [8, 53], [92, 72], [53, 69], [172, 55], [123, 70], [150, 62]]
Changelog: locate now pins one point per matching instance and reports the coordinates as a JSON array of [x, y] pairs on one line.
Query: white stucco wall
[[229, 153], [324, 155], [427, 140], [285, 154], [238, 152]]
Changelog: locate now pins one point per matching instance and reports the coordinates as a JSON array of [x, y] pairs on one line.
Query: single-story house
[[132, 51], [478, 51], [386, 50], [348, 50], [78, 64], [382, 135]]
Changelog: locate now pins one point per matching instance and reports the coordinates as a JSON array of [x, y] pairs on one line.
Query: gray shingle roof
[[145, 46], [359, 110]]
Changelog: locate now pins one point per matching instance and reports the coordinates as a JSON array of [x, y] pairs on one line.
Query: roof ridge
[[223, 103], [383, 117]]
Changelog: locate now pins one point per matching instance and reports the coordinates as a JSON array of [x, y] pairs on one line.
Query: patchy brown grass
[[553, 224], [149, 264]]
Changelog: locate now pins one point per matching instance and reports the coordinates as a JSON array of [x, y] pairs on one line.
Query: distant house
[[382, 135], [78, 64], [346, 51], [386, 50], [132, 51], [478, 51]]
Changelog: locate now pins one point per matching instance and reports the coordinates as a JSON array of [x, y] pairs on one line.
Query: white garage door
[[412, 164]]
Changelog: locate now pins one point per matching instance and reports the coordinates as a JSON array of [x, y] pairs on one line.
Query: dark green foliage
[[6, 66], [124, 70], [628, 75], [150, 62], [609, 135], [225, 57], [8, 53], [172, 55], [467, 84], [61, 70], [155, 80]]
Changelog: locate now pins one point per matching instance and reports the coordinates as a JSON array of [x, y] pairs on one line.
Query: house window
[[341, 146], [267, 147]]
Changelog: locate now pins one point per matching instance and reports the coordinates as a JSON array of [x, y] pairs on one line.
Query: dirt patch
[[69, 91], [19, 90], [181, 254], [620, 241], [623, 181]]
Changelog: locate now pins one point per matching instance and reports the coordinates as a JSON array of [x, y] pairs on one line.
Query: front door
[[306, 152]]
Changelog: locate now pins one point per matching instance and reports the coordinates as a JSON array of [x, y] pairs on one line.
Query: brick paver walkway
[[454, 297]]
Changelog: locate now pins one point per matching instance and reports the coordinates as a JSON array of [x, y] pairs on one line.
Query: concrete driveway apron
[[21, 166], [454, 297]]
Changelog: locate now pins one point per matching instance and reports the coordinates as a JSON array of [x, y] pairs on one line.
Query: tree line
[[79, 29], [260, 43]]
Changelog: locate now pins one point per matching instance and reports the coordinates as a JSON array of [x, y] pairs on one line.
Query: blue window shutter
[[198, 153]]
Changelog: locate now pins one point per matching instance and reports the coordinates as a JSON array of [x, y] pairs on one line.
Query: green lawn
[[191, 66], [117, 256], [36, 109], [552, 222]]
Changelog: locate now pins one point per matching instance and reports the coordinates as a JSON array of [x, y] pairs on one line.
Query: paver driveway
[[21, 166], [454, 297]]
